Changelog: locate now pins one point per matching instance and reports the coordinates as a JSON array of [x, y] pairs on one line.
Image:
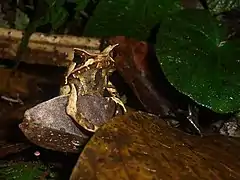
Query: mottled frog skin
[[89, 77]]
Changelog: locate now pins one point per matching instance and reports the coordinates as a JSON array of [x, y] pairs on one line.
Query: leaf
[[56, 14], [197, 59], [132, 62], [3, 22], [21, 20], [24, 171], [133, 18], [142, 146], [218, 6], [81, 4], [231, 20]]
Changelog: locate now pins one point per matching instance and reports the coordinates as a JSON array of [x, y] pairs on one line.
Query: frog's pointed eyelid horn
[[109, 48], [78, 51]]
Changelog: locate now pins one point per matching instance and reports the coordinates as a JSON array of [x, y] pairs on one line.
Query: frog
[[90, 77]]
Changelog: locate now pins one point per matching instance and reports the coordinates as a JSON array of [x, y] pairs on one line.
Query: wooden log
[[45, 49]]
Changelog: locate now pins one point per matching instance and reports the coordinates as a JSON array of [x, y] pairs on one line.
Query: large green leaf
[[133, 18], [218, 6], [197, 60]]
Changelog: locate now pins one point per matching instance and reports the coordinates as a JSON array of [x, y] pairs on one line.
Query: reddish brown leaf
[[132, 61]]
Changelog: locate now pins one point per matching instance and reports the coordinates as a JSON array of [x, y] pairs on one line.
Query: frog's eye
[[80, 58]]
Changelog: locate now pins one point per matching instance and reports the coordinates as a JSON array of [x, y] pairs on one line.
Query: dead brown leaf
[[141, 146]]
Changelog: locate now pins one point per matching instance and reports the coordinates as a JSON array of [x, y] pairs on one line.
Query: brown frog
[[90, 78]]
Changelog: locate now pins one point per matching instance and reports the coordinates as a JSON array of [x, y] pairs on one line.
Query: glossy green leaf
[[134, 18], [197, 60], [218, 6]]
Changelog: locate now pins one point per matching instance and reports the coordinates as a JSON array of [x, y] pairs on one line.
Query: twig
[[12, 100]]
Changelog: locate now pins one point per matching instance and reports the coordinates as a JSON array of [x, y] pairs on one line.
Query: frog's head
[[102, 60], [90, 74]]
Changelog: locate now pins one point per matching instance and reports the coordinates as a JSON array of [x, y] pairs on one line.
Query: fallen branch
[[44, 49]]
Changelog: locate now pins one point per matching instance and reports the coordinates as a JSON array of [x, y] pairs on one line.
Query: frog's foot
[[119, 102], [84, 123], [65, 90], [69, 71]]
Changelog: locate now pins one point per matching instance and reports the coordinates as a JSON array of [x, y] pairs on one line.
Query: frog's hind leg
[[72, 111]]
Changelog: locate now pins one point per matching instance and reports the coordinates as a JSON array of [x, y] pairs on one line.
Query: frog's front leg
[[65, 89], [73, 112], [115, 96], [69, 71]]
